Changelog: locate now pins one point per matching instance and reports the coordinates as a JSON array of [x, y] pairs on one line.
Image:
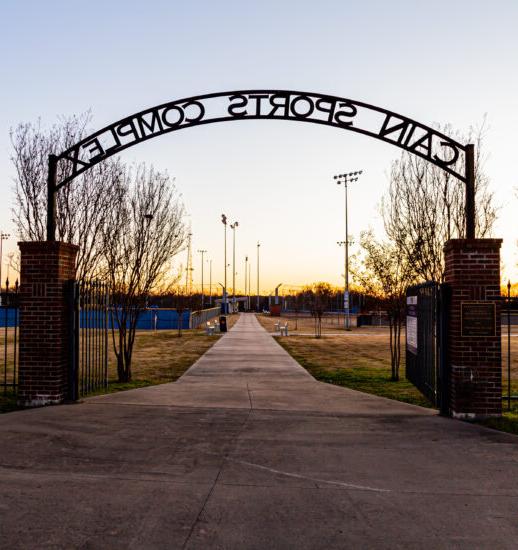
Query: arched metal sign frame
[[339, 112]]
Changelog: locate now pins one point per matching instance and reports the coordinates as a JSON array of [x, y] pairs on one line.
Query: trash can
[[222, 324]]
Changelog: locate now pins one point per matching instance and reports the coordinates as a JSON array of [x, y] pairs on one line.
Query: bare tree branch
[[82, 206], [424, 208]]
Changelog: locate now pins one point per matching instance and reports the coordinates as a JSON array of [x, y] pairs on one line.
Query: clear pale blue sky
[[439, 61]]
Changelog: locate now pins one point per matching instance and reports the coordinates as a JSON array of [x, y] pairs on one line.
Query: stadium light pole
[[246, 276], [345, 179], [224, 222], [258, 246], [233, 226], [223, 294], [202, 252], [210, 282]]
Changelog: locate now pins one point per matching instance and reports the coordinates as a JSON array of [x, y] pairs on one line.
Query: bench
[[209, 329], [276, 326], [284, 330]]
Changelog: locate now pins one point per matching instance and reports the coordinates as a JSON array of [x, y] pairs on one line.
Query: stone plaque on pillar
[[478, 319]]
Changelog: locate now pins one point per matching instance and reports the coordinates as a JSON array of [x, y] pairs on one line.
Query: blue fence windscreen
[[149, 319], [161, 319], [9, 317]]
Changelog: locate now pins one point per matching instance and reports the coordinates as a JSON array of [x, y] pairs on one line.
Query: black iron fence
[[426, 343], [509, 319], [90, 302], [9, 315]]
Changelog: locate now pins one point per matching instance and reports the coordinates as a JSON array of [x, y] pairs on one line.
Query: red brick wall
[[473, 274], [46, 268]]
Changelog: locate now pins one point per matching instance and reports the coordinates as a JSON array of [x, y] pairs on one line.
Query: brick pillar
[[473, 274], [46, 267]]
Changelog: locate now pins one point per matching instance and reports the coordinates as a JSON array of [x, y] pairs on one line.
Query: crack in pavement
[[306, 478]]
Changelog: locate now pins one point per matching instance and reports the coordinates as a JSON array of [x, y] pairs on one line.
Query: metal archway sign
[[339, 112]]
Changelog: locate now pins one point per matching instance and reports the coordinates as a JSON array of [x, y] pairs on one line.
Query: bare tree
[[13, 263], [318, 296], [425, 207], [296, 305], [82, 206], [386, 274], [139, 239]]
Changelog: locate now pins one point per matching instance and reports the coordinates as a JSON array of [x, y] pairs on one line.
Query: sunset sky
[[440, 62]]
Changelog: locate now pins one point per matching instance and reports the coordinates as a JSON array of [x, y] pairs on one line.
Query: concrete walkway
[[247, 450]]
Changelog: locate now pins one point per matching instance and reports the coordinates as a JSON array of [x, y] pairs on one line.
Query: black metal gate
[[9, 317], [90, 302], [426, 341]]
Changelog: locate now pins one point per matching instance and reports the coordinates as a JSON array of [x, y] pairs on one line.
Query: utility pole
[[233, 227], [258, 246], [202, 252], [3, 237], [189, 270], [345, 179]]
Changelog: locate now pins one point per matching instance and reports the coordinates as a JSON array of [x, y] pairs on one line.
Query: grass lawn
[[158, 357], [355, 361], [162, 356], [7, 397], [509, 420], [360, 360], [8, 401]]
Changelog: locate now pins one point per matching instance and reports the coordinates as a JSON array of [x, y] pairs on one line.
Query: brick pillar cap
[[47, 246], [472, 244]]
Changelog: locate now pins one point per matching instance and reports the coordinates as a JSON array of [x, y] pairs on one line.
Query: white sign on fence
[[411, 334]]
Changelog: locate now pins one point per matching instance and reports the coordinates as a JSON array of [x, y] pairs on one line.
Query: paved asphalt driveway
[[247, 450]]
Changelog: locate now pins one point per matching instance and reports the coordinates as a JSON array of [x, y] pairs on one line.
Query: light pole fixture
[[277, 293], [345, 179], [3, 237], [224, 222], [202, 252], [233, 226]]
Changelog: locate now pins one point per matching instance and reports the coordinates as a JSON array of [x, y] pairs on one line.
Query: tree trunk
[[391, 338], [123, 372], [395, 344]]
